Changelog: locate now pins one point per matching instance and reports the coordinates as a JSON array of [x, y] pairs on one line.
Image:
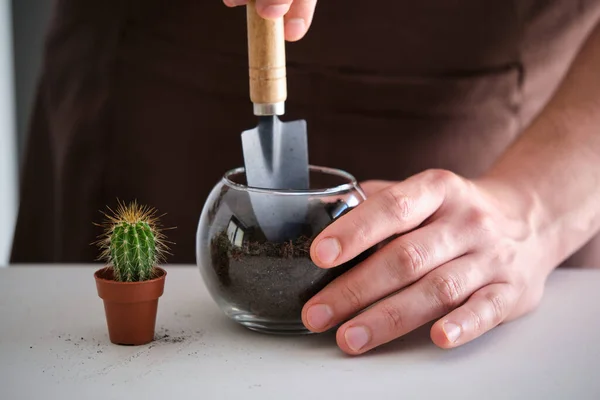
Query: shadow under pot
[[253, 246]]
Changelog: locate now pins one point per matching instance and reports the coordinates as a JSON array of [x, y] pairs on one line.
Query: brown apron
[[147, 100]]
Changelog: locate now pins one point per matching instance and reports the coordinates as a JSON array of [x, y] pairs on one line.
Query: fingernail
[[319, 316], [275, 11], [234, 3], [328, 250], [452, 331], [295, 28], [357, 337]]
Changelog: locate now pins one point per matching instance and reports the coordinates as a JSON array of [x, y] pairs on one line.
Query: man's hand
[[467, 254], [470, 254], [298, 14]]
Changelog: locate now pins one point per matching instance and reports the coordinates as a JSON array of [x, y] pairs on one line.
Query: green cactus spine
[[132, 243]]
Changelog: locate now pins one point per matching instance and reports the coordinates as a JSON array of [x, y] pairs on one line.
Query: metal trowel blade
[[276, 154], [276, 157]]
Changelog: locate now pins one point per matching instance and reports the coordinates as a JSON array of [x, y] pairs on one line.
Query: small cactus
[[132, 243]]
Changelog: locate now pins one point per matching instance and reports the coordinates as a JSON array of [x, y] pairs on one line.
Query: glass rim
[[351, 184]]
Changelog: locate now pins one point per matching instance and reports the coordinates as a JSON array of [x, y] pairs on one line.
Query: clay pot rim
[[162, 275]]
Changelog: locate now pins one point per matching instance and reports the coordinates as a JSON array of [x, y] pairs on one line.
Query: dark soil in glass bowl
[[272, 281]]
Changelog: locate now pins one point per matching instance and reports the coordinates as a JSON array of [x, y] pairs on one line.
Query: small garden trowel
[[275, 152]]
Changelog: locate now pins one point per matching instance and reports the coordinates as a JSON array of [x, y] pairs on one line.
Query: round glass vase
[[253, 246]]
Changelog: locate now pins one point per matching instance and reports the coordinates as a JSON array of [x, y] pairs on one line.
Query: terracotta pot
[[130, 307]]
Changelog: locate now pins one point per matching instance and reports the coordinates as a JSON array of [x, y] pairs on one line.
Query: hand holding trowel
[[275, 152]]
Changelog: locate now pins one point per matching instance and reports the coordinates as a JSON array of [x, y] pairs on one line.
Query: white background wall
[[8, 146]]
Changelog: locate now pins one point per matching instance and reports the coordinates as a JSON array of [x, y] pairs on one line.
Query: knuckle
[[498, 307], [503, 254], [477, 321], [479, 220], [447, 291], [392, 317], [397, 204], [411, 256], [351, 293], [441, 176], [361, 228]]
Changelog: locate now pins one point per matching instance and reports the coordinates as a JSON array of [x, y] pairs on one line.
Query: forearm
[[555, 166]]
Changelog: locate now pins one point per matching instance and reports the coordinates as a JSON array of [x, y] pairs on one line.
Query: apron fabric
[[147, 99]]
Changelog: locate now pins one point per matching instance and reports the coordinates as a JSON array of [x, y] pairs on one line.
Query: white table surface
[[54, 345]]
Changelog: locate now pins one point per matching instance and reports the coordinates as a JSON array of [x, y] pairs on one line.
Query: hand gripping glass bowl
[[258, 281]]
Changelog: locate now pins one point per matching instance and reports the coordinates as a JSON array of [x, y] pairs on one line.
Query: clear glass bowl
[[253, 246]]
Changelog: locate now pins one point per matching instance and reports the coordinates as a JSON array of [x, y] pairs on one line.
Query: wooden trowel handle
[[267, 63]]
